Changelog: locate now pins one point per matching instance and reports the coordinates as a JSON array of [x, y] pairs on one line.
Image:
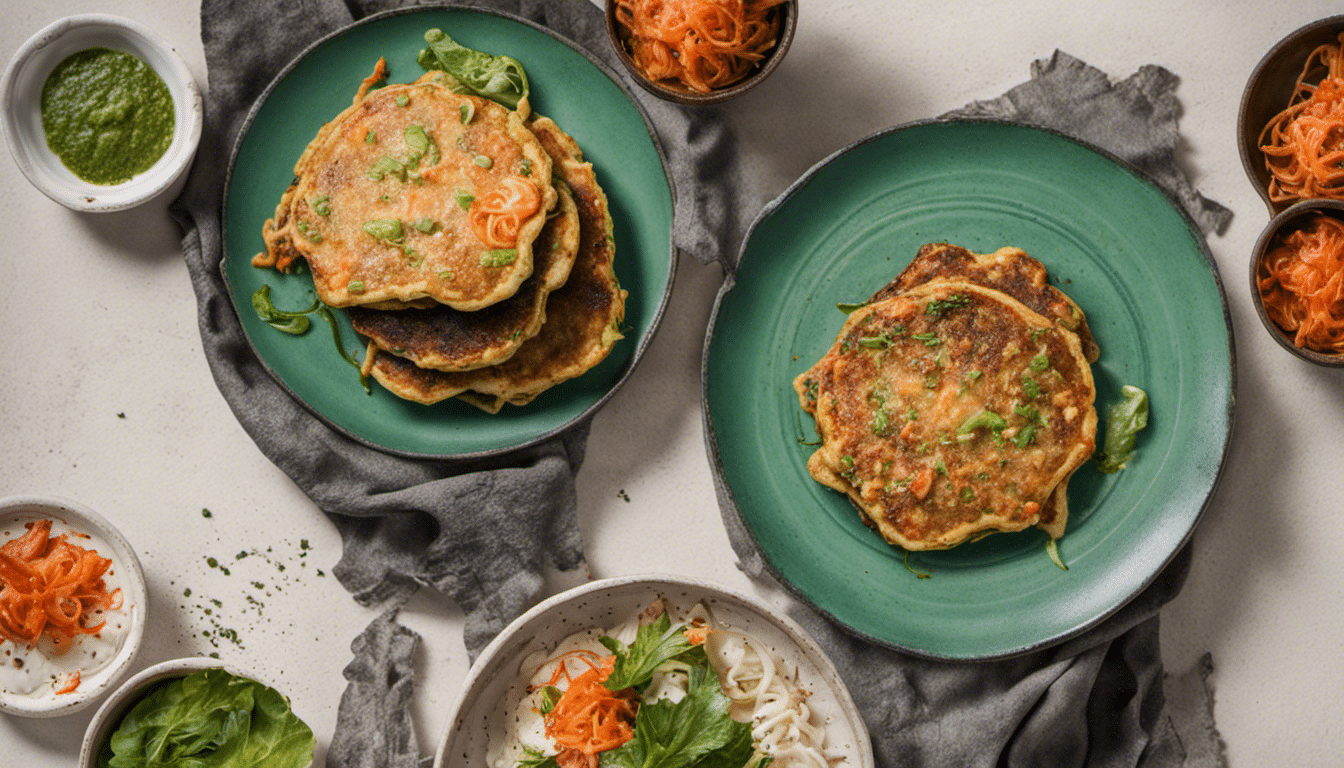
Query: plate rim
[[728, 499], [654, 322]]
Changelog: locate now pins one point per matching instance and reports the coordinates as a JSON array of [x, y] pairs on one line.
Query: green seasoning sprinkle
[[1025, 436], [483, 161], [984, 418], [464, 198], [1030, 388], [937, 308], [467, 110], [445, 275], [875, 342], [850, 309], [425, 225], [499, 257], [1028, 412], [386, 166], [879, 425], [322, 205], [403, 100], [929, 339], [370, 137], [1036, 334], [1040, 363], [967, 494], [525, 166], [385, 229], [355, 286], [416, 140], [309, 234], [941, 468]]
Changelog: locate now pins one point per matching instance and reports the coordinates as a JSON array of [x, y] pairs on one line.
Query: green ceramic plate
[[1111, 240], [567, 85]]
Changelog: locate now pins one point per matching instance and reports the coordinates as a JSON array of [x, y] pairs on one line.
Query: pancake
[[452, 340], [582, 318], [415, 193], [951, 411], [1009, 270]]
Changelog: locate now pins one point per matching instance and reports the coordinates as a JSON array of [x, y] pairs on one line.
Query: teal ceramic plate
[[1111, 240], [580, 93]]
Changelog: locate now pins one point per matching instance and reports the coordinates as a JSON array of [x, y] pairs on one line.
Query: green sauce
[[107, 115]]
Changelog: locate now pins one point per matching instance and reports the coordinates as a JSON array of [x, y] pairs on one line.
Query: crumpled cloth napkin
[[482, 531]]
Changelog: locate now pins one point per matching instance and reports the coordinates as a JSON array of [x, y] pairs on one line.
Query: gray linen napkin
[[480, 531], [1100, 699]]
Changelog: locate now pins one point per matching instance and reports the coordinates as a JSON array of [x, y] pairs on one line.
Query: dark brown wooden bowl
[[680, 94], [1287, 219]]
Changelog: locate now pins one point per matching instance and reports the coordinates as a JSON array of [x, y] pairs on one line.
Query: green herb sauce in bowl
[[107, 115]]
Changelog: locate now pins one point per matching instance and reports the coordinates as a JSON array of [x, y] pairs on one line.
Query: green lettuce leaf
[[695, 731], [210, 719], [498, 78], [656, 643], [1124, 421]]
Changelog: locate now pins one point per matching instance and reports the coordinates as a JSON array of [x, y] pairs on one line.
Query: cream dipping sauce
[[39, 670]]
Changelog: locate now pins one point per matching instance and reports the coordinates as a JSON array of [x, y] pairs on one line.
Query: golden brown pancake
[[949, 411], [452, 340], [582, 318], [412, 193], [1009, 270]]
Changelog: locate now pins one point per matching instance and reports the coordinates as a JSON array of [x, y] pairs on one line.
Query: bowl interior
[[1287, 220], [605, 603], [24, 81], [126, 573], [680, 94], [1268, 91]]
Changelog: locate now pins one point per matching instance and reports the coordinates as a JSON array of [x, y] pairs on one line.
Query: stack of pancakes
[[957, 401], [469, 243]]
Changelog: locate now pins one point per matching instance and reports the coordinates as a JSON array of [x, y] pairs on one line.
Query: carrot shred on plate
[[703, 44], [588, 719], [1301, 284], [1304, 144], [497, 216], [51, 586]]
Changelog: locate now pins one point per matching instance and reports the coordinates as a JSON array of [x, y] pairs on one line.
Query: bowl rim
[[719, 95], [109, 714], [1278, 223], [21, 124], [133, 583], [483, 669], [1251, 160]]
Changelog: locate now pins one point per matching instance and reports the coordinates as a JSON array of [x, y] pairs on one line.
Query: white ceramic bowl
[[125, 572], [22, 118], [110, 714], [602, 604]]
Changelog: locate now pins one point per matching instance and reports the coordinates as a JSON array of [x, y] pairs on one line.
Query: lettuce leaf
[[695, 731], [498, 78], [656, 643], [1124, 421], [210, 719]]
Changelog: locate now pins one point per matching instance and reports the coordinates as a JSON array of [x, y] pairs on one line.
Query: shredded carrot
[[1301, 283], [1304, 144], [51, 587], [589, 719], [71, 683], [703, 44], [497, 216]]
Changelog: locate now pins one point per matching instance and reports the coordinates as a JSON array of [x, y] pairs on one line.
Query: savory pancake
[[452, 340], [1009, 270], [949, 411], [582, 318], [412, 193]]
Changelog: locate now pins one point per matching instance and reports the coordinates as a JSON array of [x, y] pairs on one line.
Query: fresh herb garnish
[[293, 323], [939, 307], [1124, 421], [499, 257], [498, 78]]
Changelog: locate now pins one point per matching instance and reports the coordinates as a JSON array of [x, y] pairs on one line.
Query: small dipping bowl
[[675, 92], [1291, 218], [125, 573], [1267, 93], [22, 111], [109, 716]]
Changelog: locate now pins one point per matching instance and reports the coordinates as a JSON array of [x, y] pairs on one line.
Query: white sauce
[[38, 671]]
